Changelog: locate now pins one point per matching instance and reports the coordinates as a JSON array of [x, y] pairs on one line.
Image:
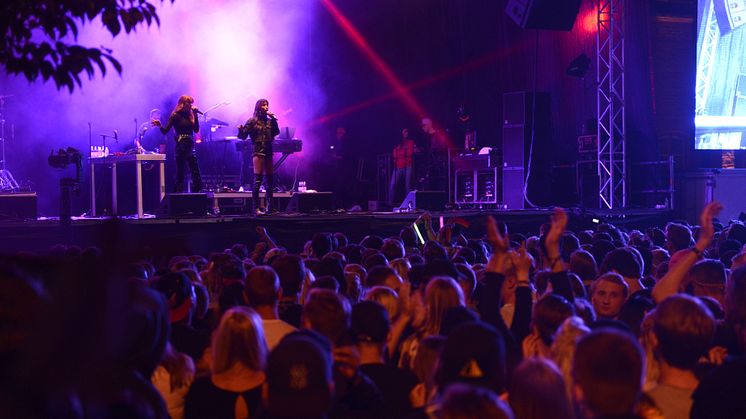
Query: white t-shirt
[[274, 331]]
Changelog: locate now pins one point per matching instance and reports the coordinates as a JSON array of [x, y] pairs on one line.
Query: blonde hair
[[562, 351], [441, 294], [386, 297], [652, 367], [239, 339], [401, 266]]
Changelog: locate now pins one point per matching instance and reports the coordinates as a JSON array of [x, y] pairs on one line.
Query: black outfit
[[395, 385], [290, 313], [262, 131], [185, 153], [189, 340], [207, 401]]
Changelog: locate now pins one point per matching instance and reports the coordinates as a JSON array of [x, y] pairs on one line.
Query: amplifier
[[473, 162]]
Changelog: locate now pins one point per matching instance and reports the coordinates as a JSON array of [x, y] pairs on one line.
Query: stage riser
[[160, 239]]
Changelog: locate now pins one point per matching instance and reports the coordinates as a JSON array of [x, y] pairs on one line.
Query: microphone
[[197, 111], [271, 115], [116, 136]]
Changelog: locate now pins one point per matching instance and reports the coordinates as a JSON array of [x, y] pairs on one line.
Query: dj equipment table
[[137, 160]]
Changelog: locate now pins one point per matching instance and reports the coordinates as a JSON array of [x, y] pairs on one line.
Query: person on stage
[[150, 140], [184, 121], [403, 165], [262, 128], [434, 144]]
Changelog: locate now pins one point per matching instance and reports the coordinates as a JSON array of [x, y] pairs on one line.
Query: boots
[[268, 195], [255, 194]]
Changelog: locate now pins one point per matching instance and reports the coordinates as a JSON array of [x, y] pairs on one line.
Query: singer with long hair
[[185, 123], [262, 128]]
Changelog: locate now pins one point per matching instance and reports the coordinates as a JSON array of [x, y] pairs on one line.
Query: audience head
[[432, 251], [684, 329], [392, 249], [262, 287], [383, 276], [474, 353], [372, 242], [408, 237], [678, 237], [583, 265], [291, 272], [707, 278], [386, 297], [538, 390], [328, 314], [239, 339], [607, 371], [299, 377], [608, 294], [370, 324], [321, 244], [441, 294], [548, 314], [177, 289], [464, 401], [624, 261]]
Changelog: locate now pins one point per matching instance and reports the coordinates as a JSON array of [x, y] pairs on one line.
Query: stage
[[162, 237]]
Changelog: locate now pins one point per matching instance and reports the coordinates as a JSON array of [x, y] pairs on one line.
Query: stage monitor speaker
[[307, 202], [513, 188], [526, 121], [558, 15], [424, 200], [18, 206], [184, 205]]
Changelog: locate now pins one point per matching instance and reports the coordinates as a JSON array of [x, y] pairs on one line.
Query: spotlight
[[579, 66]]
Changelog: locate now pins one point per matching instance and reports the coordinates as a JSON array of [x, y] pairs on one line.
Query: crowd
[[556, 324]]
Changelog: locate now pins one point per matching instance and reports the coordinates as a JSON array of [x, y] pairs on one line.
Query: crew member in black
[[185, 122], [262, 128]]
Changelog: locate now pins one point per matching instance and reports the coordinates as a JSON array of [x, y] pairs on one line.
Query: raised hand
[[707, 229], [551, 241], [499, 258], [559, 224], [521, 261]]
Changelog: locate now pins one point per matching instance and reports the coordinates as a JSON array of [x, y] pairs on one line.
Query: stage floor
[[163, 237]]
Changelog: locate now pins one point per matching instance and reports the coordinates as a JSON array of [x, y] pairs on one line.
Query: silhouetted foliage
[[40, 36]]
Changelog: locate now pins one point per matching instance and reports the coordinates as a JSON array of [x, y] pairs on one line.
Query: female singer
[[261, 128], [185, 122]]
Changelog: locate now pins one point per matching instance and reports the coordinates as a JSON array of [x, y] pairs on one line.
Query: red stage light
[[589, 20], [399, 88]]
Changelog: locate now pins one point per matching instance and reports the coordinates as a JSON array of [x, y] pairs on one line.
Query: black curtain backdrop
[[452, 52]]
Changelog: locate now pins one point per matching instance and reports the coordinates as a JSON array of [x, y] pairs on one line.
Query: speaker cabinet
[[18, 206], [310, 202], [526, 139], [424, 200], [556, 15], [184, 205]]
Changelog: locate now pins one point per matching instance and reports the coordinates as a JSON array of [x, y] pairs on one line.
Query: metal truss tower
[[612, 166]]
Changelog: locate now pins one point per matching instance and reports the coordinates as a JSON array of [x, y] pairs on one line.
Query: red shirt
[[403, 154]]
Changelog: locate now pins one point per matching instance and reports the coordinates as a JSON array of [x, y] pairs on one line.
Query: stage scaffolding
[[612, 168]]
